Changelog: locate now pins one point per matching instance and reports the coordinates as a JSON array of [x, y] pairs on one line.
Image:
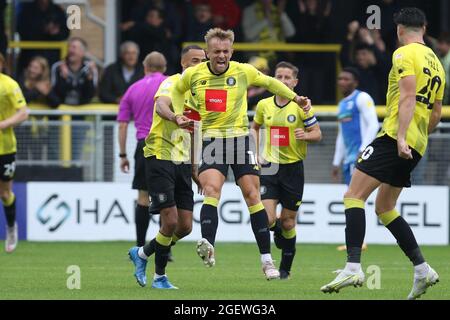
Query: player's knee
[[251, 195], [352, 194], [184, 230], [5, 195], [211, 191], [381, 208], [288, 224]]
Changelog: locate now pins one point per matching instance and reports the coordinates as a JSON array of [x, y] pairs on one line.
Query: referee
[[137, 104]]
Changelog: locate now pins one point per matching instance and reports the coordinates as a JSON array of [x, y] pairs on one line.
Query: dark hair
[[353, 71], [191, 47], [411, 17], [285, 64], [444, 37]]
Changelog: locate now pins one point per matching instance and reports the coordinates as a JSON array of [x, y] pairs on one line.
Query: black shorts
[[286, 185], [169, 184], [380, 160], [221, 153], [139, 182], [7, 167]]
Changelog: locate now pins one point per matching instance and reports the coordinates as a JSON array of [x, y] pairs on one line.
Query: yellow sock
[[387, 217]]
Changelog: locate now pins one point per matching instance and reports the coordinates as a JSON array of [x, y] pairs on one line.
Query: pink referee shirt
[[138, 102]]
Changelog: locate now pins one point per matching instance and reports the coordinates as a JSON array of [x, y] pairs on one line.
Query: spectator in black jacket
[[41, 20], [119, 76], [200, 20], [154, 35], [365, 50], [74, 79]]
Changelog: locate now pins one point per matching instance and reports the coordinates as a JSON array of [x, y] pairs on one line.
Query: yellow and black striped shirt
[[280, 144], [222, 99], [166, 141], [11, 100], [420, 61]]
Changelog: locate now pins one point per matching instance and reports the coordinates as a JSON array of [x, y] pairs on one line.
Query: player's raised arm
[[275, 86], [178, 91]]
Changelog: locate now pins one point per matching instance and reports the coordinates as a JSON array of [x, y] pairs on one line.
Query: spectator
[[264, 22], [313, 25], [119, 76], [41, 20], [200, 22], [443, 49], [226, 14], [3, 37], [255, 94], [36, 85], [74, 79], [154, 35], [311, 19], [366, 51], [36, 88]]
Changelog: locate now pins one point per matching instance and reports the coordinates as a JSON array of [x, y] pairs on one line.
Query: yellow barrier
[[286, 47], [66, 132], [60, 45]]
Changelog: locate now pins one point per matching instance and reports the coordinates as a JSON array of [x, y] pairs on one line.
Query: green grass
[[38, 271]]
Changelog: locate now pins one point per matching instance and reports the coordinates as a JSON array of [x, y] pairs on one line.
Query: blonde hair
[[45, 75], [155, 62], [220, 34]]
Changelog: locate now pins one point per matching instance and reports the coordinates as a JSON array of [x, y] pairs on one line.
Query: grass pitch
[[39, 271]]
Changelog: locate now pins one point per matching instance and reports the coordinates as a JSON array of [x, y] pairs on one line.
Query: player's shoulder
[[363, 96], [264, 103], [404, 52], [7, 81]]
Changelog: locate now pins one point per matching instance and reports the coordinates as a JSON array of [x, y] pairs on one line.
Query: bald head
[[155, 62]]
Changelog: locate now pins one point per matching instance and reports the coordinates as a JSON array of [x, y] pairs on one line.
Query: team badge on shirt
[[291, 118], [231, 81]]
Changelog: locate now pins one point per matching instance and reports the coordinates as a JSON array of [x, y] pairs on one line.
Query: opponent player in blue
[[358, 124]]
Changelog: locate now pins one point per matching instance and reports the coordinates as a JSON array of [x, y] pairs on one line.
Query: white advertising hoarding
[[105, 211]]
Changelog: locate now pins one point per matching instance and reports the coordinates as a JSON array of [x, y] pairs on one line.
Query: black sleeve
[[60, 19], [60, 87], [53, 100], [346, 53], [87, 91], [106, 93]]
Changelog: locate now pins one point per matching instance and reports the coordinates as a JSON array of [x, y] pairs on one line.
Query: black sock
[[209, 221], [288, 254], [142, 220], [276, 228], [355, 230], [161, 258], [259, 222], [149, 248], [10, 214], [402, 232]]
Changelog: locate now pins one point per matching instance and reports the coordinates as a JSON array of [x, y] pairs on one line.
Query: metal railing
[[85, 137]]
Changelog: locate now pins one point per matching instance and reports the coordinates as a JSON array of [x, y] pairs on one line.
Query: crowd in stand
[[156, 25]]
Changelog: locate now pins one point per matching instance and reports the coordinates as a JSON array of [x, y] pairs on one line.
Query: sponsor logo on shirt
[[216, 100], [279, 136]]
